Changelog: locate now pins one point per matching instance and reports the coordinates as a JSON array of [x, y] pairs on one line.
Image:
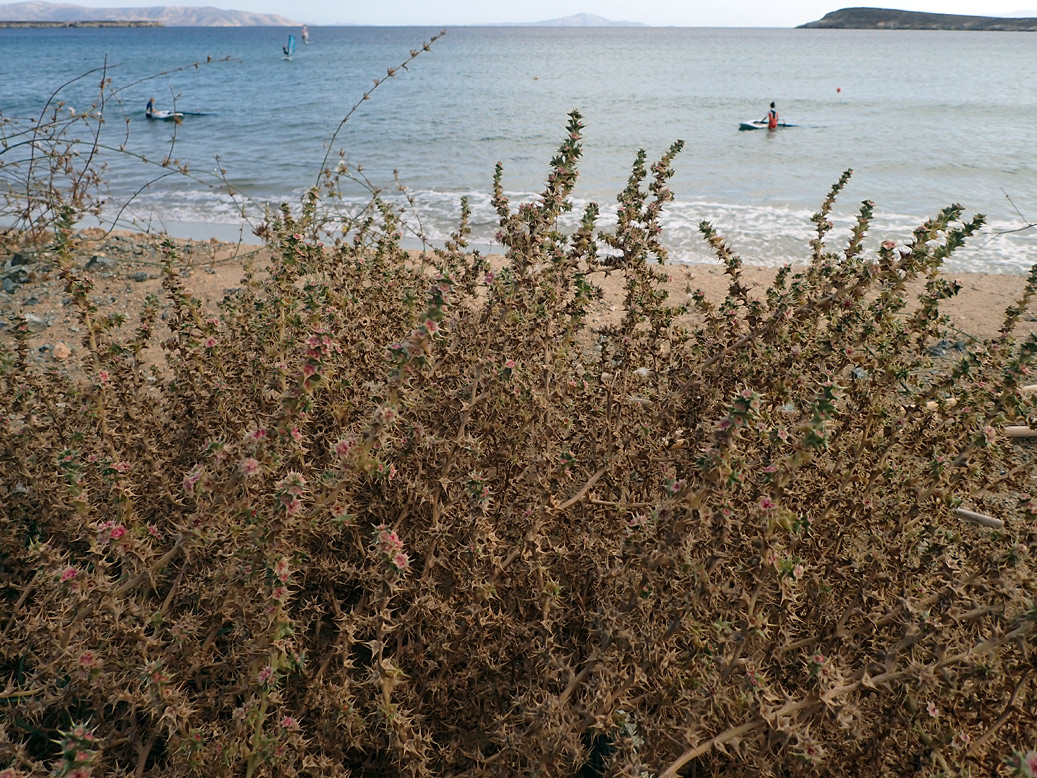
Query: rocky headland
[[892, 19]]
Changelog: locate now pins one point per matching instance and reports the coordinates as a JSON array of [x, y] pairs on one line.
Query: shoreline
[[126, 267], [241, 233]]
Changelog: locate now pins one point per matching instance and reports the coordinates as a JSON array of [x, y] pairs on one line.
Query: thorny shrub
[[381, 517]]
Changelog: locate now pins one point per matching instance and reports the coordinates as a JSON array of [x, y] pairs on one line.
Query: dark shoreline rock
[[84, 23], [893, 19]]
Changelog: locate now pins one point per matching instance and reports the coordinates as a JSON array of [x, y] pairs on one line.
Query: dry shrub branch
[[373, 518]]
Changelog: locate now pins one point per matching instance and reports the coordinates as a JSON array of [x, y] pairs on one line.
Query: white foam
[[761, 235]]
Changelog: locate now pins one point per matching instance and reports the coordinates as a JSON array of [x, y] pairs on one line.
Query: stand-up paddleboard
[[762, 125]]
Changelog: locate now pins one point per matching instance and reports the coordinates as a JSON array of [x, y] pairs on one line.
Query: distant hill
[[168, 15], [576, 20], [892, 19]]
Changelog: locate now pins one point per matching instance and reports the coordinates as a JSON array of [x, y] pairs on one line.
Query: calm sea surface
[[925, 119]]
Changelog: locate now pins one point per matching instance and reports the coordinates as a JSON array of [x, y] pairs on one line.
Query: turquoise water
[[924, 118]]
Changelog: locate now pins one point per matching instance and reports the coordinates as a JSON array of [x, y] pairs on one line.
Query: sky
[[680, 13]]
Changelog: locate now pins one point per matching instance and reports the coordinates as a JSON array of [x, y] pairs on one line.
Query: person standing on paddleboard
[[772, 118]]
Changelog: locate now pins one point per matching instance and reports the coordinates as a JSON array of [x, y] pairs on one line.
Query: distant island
[[38, 13], [576, 20], [892, 19]]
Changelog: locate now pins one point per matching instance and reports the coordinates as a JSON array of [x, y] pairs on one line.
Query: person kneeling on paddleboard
[[772, 118]]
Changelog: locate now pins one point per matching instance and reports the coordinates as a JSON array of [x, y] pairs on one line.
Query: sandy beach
[[126, 267]]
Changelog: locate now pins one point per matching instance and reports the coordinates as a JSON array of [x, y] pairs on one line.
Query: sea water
[[924, 118]]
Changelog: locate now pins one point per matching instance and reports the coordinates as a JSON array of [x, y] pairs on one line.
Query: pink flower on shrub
[[289, 723], [932, 710], [265, 675], [811, 752], [88, 659], [798, 571], [767, 504], [82, 733], [1029, 764], [210, 342], [345, 446], [249, 466], [282, 569], [294, 483], [117, 532], [257, 435], [192, 479], [122, 467], [390, 546], [387, 540], [104, 377], [340, 514], [431, 327], [68, 574]]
